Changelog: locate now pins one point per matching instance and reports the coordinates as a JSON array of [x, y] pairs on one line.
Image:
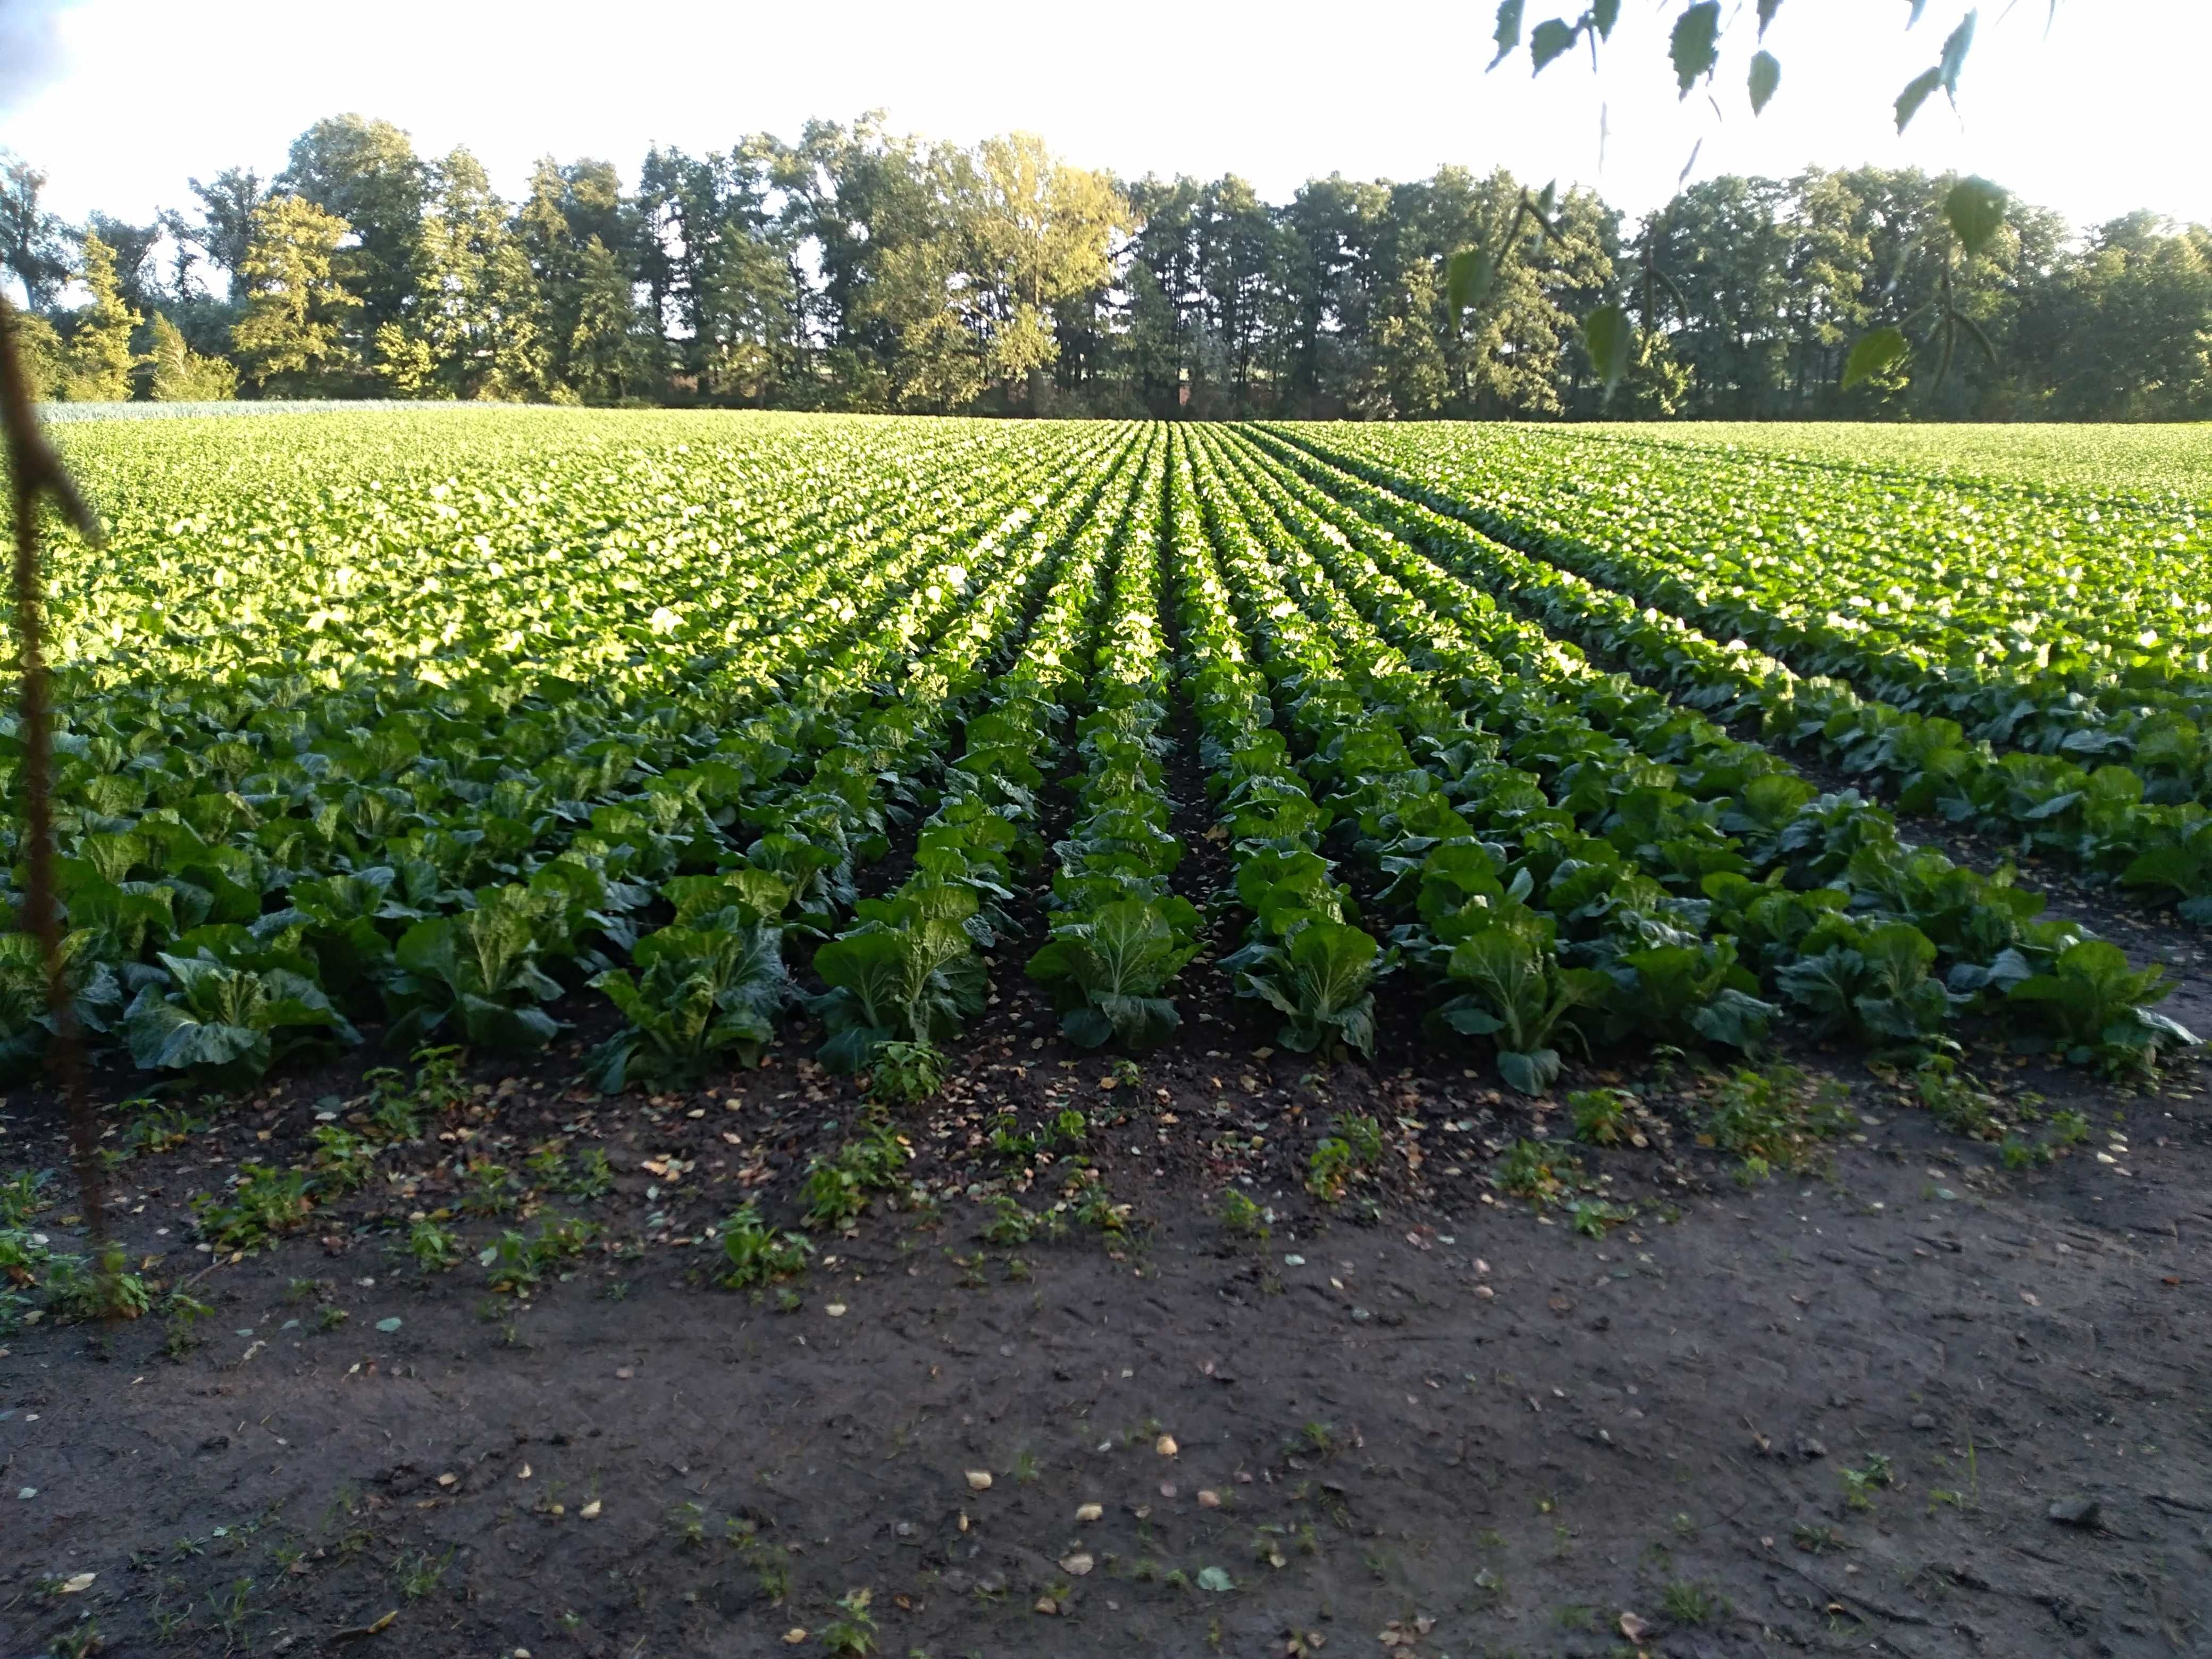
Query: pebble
[[2076, 1511]]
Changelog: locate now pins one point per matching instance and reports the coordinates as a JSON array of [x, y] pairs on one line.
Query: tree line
[[860, 269]]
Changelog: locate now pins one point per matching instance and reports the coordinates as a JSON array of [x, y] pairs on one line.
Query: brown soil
[[1429, 1418]]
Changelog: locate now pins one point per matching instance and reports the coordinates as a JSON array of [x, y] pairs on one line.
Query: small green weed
[[758, 1256]]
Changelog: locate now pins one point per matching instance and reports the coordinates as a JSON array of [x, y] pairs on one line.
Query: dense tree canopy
[[857, 267]]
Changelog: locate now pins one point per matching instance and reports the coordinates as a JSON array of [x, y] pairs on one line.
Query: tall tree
[[294, 337], [131, 248], [33, 242], [226, 226], [609, 353], [476, 327], [366, 173], [97, 368]]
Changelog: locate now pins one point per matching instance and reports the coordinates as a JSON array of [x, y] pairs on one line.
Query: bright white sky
[[2105, 115]]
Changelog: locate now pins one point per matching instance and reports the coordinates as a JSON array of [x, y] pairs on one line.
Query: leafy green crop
[[443, 725]]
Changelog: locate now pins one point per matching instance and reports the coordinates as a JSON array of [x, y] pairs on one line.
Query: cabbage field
[[694, 732]]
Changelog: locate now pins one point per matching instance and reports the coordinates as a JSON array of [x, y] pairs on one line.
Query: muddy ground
[[1916, 1397]]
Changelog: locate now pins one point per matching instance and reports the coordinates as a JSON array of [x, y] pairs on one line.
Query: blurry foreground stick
[[33, 470]]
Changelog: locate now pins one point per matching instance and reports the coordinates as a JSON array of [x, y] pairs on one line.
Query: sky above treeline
[[2095, 112]]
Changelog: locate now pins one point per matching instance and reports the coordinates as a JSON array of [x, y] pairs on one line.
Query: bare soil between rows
[[1427, 1420]]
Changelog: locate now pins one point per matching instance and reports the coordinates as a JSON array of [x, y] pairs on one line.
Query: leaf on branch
[[1549, 40], [1915, 94], [1766, 76], [1608, 336], [1766, 10], [1955, 47], [1509, 29], [1468, 278], [1604, 14], [1874, 353], [1695, 47], [1975, 209]]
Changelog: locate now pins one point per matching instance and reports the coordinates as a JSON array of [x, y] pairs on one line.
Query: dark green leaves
[[1916, 94], [1944, 75], [1766, 10], [1874, 353], [1549, 40], [1766, 76], [1468, 278], [1955, 47], [1695, 45], [1509, 29], [1603, 14], [1608, 336], [1975, 209]]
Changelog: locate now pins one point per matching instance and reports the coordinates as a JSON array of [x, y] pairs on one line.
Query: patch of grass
[[265, 1205], [854, 1631], [1686, 1602], [838, 1189], [1239, 1216], [1860, 1483], [1601, 1117], [488, 1189], [1535, 1170], [758, 1256], [1009, 1224], [906, 1073], [1776, 1117], [435, 1249], [419, 1573]]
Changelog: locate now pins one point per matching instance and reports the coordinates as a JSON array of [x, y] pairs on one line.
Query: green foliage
[[838, 1188], [758, 1256], [1239, 1216], [264, 1204], [1107, 969], [227, 1025], [1601, 1115], [1777, 1117], [907, 1073], [703, 994], [2095, 1004], [1519, 995], [434, 1247]]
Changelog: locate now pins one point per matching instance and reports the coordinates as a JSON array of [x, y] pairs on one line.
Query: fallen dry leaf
[[83, 1580], [794, 1636], [835, 1310], [1209, 1500], [590, 1511], [1046, 1604], [1089, 1512], [1166, 1445], [979, 1480], [1632, 1627], [1077, 1565], [448, 1480]]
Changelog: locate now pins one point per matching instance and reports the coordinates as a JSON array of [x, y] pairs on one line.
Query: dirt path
[[1463, 1427]]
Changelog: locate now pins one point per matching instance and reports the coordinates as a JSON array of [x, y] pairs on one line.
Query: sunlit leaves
[[1468, 278], [1976, 210], [1608, 337], [1873, 354]]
